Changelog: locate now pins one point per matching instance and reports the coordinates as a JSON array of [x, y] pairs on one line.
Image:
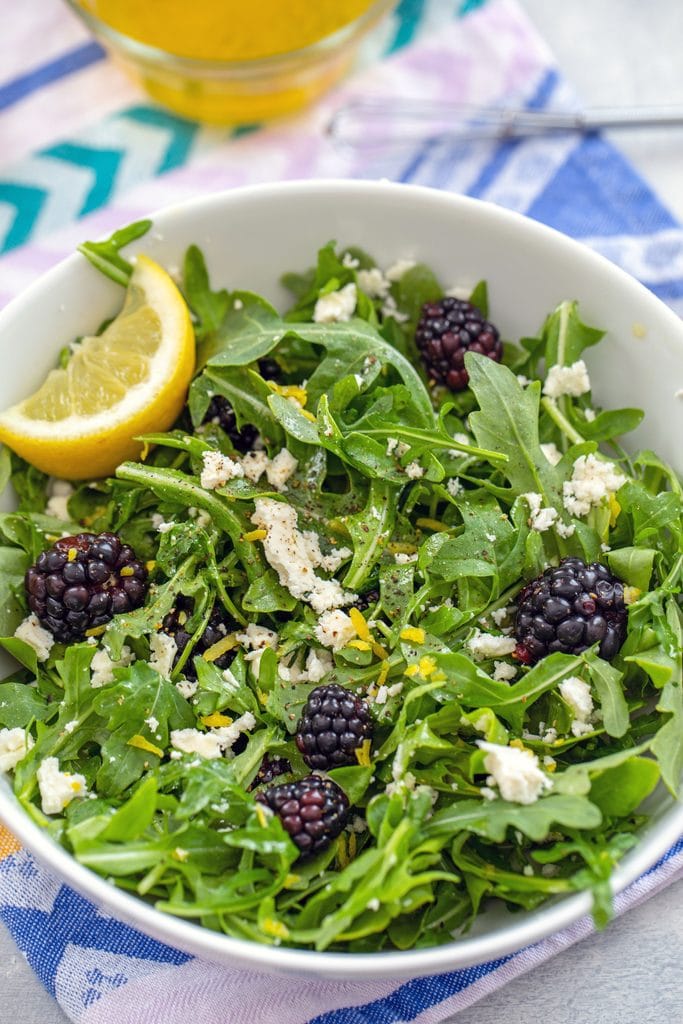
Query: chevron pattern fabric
[[71, 170]]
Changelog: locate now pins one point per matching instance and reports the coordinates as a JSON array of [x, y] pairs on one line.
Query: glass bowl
[[238, 91]]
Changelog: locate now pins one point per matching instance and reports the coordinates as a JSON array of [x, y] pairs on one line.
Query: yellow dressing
[[227, 29]]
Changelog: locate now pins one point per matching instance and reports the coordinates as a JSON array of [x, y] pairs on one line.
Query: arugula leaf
[[106, 256]]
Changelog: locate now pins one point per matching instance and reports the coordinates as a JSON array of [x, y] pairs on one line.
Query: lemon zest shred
[[379, 651], [413, 633], [432, 524], [276, 929], [360, 645], [383, 673], [127, 570], [360, 625], [95, 631], [255, 535], [290, 881], [631, 594], [353, 846], [289, 391], [150, 565], [412, 670], [614, 510], [308, 415], [427, 666], [145, 451], [72, 555], [180, 854], [220, 647], [363, 754], [397, 547], [342, 852], [216, 720], [261, 815], [140, 743]]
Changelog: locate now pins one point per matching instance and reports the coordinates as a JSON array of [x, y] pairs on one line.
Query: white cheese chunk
[[336, 307], [567, 380], [516, 772], [593, 482], [578, 696], [33, 634], [286, 551], [334, 629], [58, 788], [486, 645], [163, 650], [102, 667], [14, 746], [218, 470], [279, 469]]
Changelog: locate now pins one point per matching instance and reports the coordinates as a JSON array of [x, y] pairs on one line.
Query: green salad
[[387, 628]]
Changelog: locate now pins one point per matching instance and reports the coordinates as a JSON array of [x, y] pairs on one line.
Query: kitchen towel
[[84, 152]]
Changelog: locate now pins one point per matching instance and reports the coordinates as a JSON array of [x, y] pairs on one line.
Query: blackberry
[[82, 582], [569, 608], [446, 330], [334, 724], [271, 768], [366, 600], [218, 627], [313, 811], [222, 413]]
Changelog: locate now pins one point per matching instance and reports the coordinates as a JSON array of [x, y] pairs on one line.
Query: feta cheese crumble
[[552, 453], [486, 645], [102, 667], [60, 492], [373, 283], [163, 650], [58, 788], [516, 772], [287, 552], [33, 634], [593, 482], [14, 746], [254, 465], [454, 487], [403, 558], [503, 672], [540, 519], [256, 639], [567, 380], [218, 470], [334, 629], [336, 307], [192, 741], [414, 471], [279, 469], [396, 271], [578, 696]]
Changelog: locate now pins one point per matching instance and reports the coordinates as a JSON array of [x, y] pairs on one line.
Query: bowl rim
[[250, 67], [464, 952]]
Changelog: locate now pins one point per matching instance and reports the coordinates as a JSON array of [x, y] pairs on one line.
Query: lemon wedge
[[129, 380]]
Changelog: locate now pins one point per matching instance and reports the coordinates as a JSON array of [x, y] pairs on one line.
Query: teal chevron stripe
[[408, 14], [27, 202], [183, 133], [103, 162]]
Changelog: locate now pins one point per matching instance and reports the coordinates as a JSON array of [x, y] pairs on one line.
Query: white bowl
[[250, 236]]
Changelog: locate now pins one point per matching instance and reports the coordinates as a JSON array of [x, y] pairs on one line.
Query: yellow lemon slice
[[129, 380]]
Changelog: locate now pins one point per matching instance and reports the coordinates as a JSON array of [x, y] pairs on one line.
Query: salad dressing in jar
[[229, 61]]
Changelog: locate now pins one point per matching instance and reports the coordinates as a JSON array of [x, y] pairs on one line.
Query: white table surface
[[615, 52]]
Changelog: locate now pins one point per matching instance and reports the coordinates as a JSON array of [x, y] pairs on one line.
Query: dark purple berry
[[446, 330], [216, 629], [569, 608], [271, 768], [333, 726], [313, 811], [221, 413], [366, 600], [81, 582]]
